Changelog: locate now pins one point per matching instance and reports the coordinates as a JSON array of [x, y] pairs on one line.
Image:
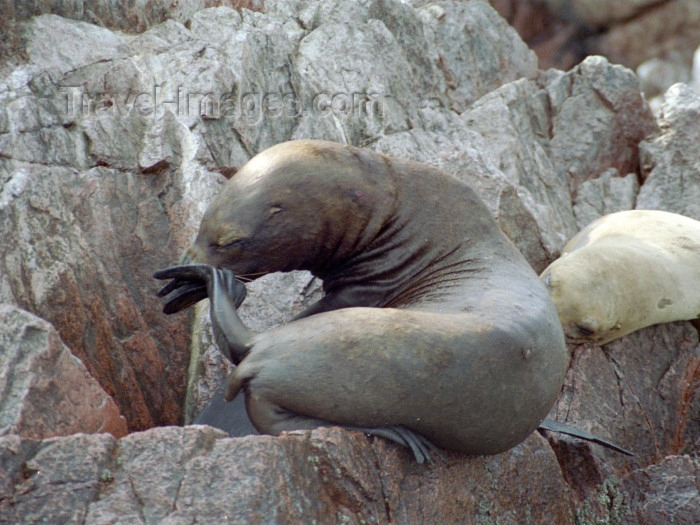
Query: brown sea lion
[[626, 271], [433, 327]]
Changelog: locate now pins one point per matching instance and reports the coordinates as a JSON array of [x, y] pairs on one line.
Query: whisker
[[248, 277]]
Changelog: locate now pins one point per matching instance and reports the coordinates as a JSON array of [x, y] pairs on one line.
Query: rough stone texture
[[565, 129], [484, 63], [45, 390], [668, 492], [638, 391], [52, 481], [125, 16], [85, 246], [185, 475], [608, 193], [671, 160], [113, 143]]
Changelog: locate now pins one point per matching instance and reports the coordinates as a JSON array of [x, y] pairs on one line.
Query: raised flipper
[[225, 293], [556, 426], [191, 284]]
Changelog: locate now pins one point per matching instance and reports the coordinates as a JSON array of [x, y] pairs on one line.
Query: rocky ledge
[[118, 127]]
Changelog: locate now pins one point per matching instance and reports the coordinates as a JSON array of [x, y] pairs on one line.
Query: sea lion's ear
[[274, 210]]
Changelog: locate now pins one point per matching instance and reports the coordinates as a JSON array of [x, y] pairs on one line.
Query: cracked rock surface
[[118, 126]]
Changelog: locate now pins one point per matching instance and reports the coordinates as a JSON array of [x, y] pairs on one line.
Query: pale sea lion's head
[[585, 296]]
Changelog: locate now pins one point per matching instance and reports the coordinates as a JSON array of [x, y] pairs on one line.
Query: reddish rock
[[45, 391], [93, 199], [89, 245], [668, 492], [637, 391], [193, 474]]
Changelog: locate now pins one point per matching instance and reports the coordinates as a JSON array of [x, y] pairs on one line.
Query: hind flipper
[[556, 426]]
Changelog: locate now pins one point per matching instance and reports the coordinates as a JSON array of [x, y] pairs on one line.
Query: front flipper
[[225, 294], [190, 285], [556, 426]]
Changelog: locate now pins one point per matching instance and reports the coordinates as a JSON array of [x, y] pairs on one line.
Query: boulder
[[45, 390], [670, 160], [183, 475], [114, 137]]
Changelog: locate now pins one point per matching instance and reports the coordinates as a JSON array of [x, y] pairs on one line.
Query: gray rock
[[80, 253], [52, 481], [119, 15], [62, 45], [637, 391], [607, 194], [599, 116], [671, 160], [477, 51], [550, 136]]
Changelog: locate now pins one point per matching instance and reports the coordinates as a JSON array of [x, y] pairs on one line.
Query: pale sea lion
[[433, 327], [626, 271]]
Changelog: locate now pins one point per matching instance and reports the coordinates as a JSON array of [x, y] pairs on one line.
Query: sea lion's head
[[301, 205], [585, 298]]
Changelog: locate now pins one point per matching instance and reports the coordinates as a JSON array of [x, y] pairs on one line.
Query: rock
[[52, 481], [515, 121], [656, 75], [63, 45], [491, 54], [586, 142], [668, 492], [547, 137], [182, 475], [670, 165], [110, 154], [45, 391], [117, 15], [85, 246], [607, 194], [637, 391]]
